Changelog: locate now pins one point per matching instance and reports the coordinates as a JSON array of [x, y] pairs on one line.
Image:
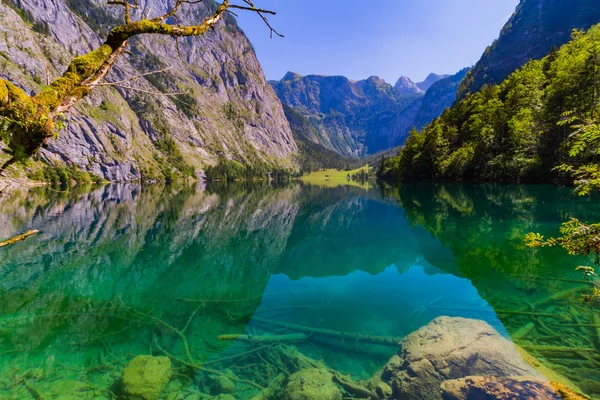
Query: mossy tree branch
[[27, 122]]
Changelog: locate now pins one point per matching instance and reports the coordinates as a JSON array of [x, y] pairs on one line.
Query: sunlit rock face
[[357, 118], [227, 108], [353, 118]]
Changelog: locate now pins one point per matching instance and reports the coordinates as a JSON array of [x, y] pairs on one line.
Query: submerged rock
[[480, 387], [145, 377], [451, 348], [223, 385], [312, 384]]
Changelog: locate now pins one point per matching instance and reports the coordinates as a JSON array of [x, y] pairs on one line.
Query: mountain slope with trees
[[519, 130], [533, 30]]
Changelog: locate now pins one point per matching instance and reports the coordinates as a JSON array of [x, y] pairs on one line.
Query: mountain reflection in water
[[125, 270]]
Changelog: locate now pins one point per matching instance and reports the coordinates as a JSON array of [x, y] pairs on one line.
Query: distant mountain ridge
[[356, 118]]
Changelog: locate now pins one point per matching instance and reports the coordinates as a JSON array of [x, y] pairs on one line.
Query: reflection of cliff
[[341, 232], [150, 247], [127, 246]]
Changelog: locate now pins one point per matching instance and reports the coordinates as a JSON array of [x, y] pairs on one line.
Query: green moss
[[24, 121], [63, 174], [79, 70], [145, 377]]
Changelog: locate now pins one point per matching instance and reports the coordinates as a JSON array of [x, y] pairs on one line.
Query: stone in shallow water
[[311, 384], [492, 388], [223, 385], [145, 377], [451, 348]]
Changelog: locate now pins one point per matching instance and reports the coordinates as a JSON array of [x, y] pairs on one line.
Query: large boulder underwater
[[463, 359]]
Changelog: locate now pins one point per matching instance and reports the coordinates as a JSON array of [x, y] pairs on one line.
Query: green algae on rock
[[145, 377], [312, 384]]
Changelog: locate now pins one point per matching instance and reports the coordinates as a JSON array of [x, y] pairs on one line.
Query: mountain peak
[[430, 80], [291, 76], [405, 85]]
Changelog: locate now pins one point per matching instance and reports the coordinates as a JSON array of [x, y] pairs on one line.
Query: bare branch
[[261, 12], [159, 71], [127, 6], [170, 94]]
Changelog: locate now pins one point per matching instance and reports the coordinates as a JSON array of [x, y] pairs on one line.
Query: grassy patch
[[334, 177]]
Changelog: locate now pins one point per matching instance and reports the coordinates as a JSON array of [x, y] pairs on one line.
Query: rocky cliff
[[221, 104], [439, 96], [353, 118], [437, 93], [531, 33]]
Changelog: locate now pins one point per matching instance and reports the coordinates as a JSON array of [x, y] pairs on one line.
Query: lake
[[232, 283]]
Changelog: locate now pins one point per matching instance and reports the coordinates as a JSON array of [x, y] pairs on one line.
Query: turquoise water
[[124, 270]]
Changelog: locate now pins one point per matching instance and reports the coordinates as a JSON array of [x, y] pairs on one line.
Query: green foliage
[[63, 174], [585, 145], [174, 159], [578, 239], [521, 130], [232, 170]]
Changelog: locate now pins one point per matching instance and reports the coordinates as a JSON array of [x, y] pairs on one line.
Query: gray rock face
[[430, 80], [352, 118], [447, 349], [440, 96], [406, 86], [356, 118], [227, 109]]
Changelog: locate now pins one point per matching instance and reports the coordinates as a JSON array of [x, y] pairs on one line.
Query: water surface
[[125, 270]]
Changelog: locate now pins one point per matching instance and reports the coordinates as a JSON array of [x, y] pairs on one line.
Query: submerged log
[[350, 336], [597, 322], [557, 351], [554, 279], [563, 385], [18, 238], [527, 313], [560, 296], [295, 337], [523, 331]]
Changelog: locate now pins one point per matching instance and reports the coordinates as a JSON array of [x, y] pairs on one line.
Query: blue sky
[[387, 38]]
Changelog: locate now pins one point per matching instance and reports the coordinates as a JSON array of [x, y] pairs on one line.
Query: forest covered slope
[[519, 130], [533, 30]]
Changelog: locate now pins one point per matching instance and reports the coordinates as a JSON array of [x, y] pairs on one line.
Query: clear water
[[125, 270]]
